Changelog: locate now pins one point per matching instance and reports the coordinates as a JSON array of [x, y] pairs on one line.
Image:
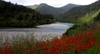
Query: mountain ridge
[[47, 9], [69, 6]]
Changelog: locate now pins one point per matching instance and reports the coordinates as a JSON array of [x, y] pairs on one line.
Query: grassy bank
[[88, 21]]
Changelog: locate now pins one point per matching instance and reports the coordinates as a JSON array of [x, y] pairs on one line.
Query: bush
[[73, 29]]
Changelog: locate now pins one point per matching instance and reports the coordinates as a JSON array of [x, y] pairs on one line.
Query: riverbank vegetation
[[89, 21], [13, 15]]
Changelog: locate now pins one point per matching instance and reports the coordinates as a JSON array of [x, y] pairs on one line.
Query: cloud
[[16, 1], [56, 3]]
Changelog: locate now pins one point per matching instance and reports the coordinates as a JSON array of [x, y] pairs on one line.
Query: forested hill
[[13, 15], [78, 12], [47, 9]]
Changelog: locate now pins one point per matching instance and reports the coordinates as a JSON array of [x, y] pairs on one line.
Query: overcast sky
[[55, 3]]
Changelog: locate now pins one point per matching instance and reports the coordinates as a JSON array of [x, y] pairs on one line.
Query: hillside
[[69, 6], [73, 14], [47, 9], [13, 15], [89, 17]]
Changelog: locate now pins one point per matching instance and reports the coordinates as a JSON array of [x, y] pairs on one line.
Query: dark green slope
[[47, 9], [77, 12], [13, 15]]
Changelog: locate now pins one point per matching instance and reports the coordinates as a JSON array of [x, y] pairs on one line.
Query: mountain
[[77, 12], [13, 15], [47, 9], [69, 6]]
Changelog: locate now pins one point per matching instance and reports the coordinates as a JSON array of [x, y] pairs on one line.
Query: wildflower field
[[87, 42]]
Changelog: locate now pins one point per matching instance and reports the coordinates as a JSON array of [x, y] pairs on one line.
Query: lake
[[47, 30], [54, 27]]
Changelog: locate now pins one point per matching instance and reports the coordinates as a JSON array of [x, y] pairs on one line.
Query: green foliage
[[89, 17], [84, 17], [67, 20], [80, 11], [13, 15], [84, 23], [73, 29], [78, 28]]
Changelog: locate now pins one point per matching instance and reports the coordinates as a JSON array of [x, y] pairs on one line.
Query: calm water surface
[[42, 32], [54, 27]]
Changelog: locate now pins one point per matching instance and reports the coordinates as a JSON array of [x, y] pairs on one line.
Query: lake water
[[42, 32], [54, 27]]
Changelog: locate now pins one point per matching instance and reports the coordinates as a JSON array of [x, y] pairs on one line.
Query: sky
[[54, 3]]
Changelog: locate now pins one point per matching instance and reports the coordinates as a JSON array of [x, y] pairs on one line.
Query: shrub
[[73, 29]]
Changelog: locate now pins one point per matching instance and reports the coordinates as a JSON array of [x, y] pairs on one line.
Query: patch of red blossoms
[[83, 41]]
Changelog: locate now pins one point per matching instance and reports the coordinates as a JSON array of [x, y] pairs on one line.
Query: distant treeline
[[13, 15]]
